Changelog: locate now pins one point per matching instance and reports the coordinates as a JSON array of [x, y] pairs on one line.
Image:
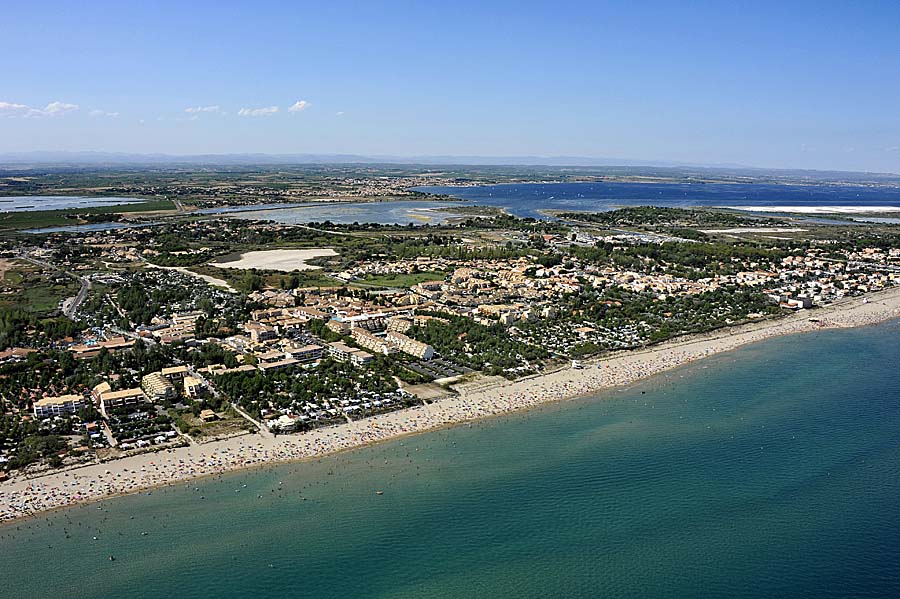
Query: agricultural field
[[12, 221]]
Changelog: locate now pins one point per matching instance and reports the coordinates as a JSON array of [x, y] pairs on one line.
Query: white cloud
[[55, 108], [199, 109], [10, 109], [339, 113], [99, 113], [267, 111], [299, 106], [52, 109]]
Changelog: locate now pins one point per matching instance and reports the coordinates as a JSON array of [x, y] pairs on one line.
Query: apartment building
[[119, 399], [157, 387], [410, 346], [58, 406]]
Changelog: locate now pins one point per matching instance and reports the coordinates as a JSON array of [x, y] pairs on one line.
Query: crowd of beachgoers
[[21, 497]]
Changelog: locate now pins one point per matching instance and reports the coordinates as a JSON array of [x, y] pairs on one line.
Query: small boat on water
[[379, 492]]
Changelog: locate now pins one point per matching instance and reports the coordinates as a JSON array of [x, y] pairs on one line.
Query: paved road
[[70, 305]]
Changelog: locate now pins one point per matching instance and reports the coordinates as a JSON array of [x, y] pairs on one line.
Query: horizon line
[[98, 157]]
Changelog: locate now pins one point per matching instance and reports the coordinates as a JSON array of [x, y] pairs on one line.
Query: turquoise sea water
[[769, 471]]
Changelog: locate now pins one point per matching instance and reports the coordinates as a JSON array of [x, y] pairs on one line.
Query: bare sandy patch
[[5, 265], [283, 260]]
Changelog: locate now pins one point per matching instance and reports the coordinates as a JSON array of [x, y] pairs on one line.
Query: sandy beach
[[21, 497]]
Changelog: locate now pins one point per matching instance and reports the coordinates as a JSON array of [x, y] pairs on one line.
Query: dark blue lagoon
[[383, 213], [34, 203], [528, 199], [91, 227], [771, 471]]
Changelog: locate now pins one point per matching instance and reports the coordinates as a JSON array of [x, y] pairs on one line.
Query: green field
[[74, 216], [38, 297], [13, 277], [33, 289]]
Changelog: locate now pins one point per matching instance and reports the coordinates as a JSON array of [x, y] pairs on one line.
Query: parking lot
[[438, 368]]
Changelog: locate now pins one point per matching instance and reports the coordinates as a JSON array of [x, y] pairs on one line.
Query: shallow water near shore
[[770, 470], [532, 199]]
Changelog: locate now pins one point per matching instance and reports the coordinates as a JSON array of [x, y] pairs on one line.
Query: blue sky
[[773, 84]]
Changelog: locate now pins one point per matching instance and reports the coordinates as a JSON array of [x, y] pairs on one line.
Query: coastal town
[[420, 300], [291, 340]]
